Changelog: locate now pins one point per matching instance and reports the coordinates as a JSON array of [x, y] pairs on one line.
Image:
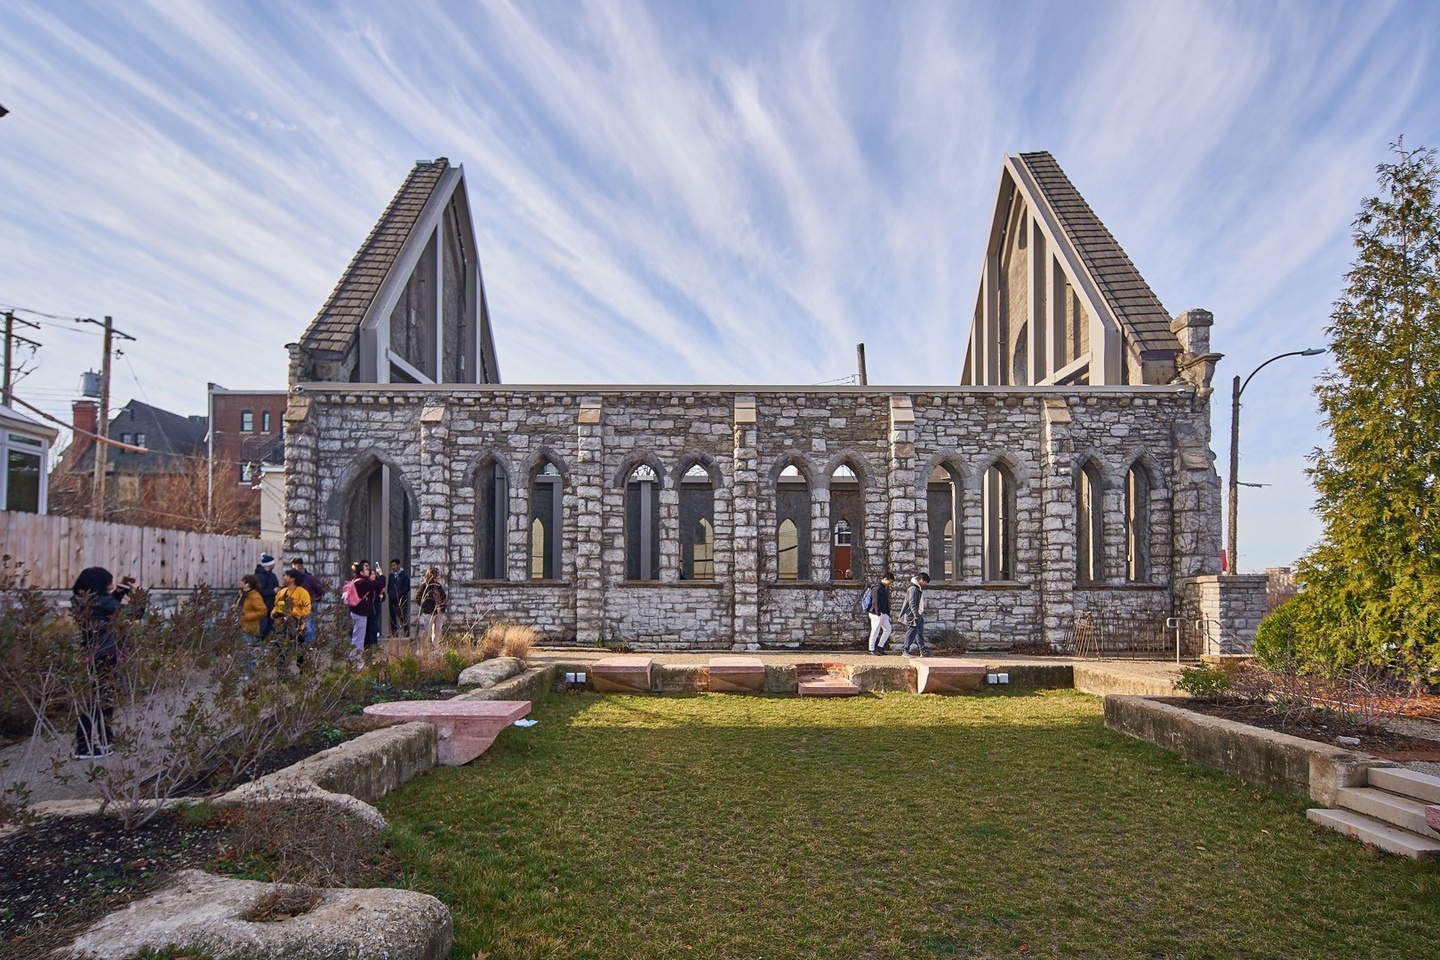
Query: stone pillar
[[584, 564], [302, 487], [906, 513], [1195, 516], [669, 521], [745, 532], [1225, 611], [972, 522], [821, 537], [431, 539], [1057, 524]]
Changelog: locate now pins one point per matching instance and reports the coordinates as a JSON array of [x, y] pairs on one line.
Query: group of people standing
[[368, 588], [912, 614], [269, 604]]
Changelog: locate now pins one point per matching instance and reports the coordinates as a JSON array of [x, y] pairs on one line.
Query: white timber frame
[[1053, 260]]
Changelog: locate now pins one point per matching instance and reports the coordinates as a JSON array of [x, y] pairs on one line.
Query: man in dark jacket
[[913, 614], [269, 584], [398, 590]]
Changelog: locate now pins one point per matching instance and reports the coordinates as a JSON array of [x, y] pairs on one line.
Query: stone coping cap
[[420, 709], [734, 663], [629, 662]]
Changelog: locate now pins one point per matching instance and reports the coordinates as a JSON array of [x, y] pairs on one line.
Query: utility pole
[[97, 488], [860, 363], [10, 337]]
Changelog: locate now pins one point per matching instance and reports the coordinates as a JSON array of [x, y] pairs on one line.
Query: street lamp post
[[1237, 389]]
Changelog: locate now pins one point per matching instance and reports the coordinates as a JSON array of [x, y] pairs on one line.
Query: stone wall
[[432, 442]]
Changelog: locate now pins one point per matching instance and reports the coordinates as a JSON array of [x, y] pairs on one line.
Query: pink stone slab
[[621, 674], [1432, 817], [824, 680], [464, 729], [947, 675], [737, 675]]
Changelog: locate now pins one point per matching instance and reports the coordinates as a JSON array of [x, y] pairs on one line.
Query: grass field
[[1003, 825]]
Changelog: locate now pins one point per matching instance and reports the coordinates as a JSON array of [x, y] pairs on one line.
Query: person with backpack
[[431, 598], [269, 585], [359, 596], [876, 603], [912, 614]]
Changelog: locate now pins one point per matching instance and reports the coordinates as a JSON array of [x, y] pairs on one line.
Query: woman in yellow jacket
[[250, 606], [292, 608]]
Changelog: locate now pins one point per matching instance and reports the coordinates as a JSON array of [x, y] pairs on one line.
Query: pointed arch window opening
[[1089, 526], [1137, 525], [697, 524], [847, 516], [492, 521], [792, 530], [642, 524], [998, 527], [546, 515], [943, 500]]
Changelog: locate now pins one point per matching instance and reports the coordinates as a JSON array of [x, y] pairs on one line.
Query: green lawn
[[1001, 825]]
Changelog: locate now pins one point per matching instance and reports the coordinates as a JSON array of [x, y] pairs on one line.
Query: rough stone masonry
[[758, 464]]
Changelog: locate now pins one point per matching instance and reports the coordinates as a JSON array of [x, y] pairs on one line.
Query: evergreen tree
[[1373, 582]]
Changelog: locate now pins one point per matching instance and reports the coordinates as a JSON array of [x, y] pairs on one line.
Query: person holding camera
[[96, 604]]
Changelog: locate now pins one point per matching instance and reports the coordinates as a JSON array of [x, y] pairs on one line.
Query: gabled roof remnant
[[334, 328], [1145, 319]]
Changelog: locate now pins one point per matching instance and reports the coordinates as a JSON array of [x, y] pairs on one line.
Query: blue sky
[[696, 192]]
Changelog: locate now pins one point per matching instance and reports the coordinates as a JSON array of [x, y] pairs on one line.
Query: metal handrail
[[1202, 624]]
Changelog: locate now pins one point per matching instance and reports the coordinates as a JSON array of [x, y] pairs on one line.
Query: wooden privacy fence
[[51, 552]]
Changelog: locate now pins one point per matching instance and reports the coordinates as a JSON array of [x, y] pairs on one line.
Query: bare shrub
[[305, 841], [188, 699]]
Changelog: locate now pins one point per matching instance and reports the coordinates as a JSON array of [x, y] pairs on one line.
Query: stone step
[[826, 687], [1372, 831], [1408, 783], [1406, 813]]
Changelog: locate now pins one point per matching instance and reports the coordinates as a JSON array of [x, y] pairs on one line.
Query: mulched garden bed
[[1321, 727], [64, 873]]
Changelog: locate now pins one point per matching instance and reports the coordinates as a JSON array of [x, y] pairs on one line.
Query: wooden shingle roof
[[1146, 321], [335, 326]]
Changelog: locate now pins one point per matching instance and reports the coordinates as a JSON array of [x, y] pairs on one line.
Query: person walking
[[431, 597], [880, 627], [292, 608], [398, 590], [96, 604], [913, 615], [269, 584]]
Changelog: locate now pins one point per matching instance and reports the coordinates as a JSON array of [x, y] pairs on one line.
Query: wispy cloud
[[706, 193]]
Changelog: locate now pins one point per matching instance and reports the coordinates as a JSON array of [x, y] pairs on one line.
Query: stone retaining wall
[[1276, 760]]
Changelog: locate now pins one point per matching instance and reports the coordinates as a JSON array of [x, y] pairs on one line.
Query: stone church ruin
[[1065, 482]]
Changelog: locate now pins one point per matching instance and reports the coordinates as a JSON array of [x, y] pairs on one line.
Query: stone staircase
[[1389, 812]]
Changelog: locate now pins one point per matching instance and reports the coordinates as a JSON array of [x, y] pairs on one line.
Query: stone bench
[[464, 729], [630, 674], [947, 675], [737, 675], [824, 680]]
